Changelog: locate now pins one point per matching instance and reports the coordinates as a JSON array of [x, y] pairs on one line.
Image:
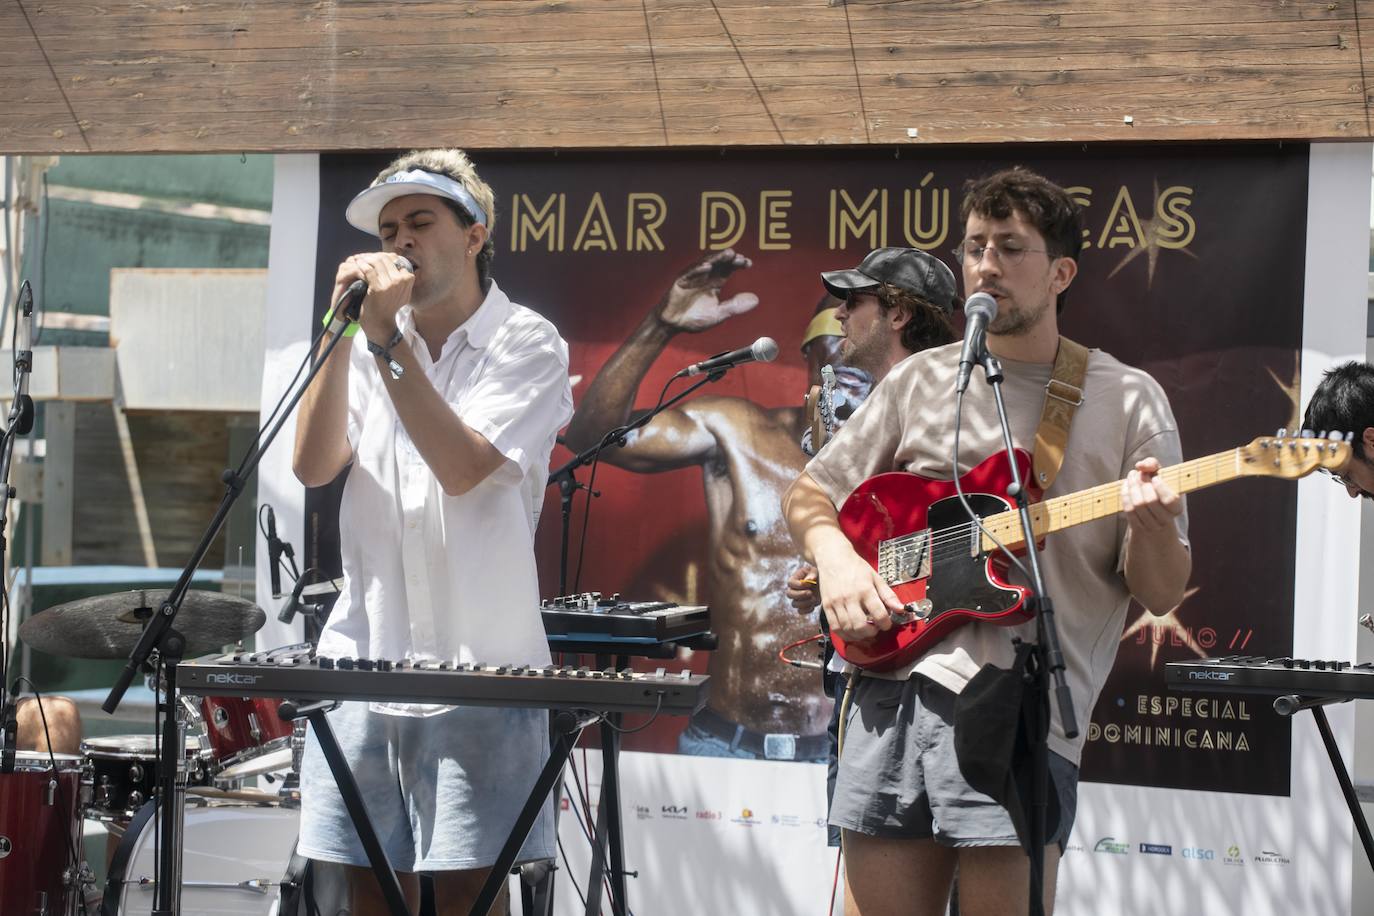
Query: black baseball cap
[[905, 268]]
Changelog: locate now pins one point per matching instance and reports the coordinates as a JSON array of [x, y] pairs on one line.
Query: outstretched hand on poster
[[693, 302]]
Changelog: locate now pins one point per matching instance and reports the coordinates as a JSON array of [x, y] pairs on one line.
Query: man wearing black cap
[[888, 311], [444, 411], [908, 814], [758, 708]]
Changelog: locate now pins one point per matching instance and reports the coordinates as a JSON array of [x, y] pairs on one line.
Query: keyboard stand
[[352, 797], [567, 727], [608, 835], [1287, 706]]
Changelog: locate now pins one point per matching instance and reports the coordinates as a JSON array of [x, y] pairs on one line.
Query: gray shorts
[[443, 791], [899, 777]]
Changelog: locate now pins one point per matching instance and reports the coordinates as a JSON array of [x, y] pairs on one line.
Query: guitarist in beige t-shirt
[[908, 816]]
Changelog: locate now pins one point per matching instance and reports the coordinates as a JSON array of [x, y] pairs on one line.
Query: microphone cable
[[968, 508]]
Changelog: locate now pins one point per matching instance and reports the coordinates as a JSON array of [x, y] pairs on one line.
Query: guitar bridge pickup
[[905, 558]]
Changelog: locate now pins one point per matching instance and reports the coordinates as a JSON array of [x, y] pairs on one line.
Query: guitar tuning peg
[[1308, 434], [1281, 433], [1336, 436]]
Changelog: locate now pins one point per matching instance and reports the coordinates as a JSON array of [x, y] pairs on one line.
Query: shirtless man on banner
[[759, 708]]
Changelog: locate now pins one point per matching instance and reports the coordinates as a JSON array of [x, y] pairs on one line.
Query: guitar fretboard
[[1105, 500]]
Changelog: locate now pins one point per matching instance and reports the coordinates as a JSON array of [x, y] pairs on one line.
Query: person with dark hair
[[1344, 402], [444, 412], [758, 707], [1045, 205], [909, 815]]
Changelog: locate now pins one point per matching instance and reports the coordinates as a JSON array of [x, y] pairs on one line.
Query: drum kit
[[238, 841]]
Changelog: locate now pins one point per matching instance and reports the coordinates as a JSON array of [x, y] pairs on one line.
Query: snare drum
[[235, 855], [40, 833], [124, 773], [246, 735]]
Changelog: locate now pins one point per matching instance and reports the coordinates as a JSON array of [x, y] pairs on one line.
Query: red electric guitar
[[947, 572]]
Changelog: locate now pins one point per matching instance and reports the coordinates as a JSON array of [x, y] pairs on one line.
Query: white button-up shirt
[[433, 576]]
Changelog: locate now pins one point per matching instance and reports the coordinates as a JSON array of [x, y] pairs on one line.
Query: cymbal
[[109, 626]]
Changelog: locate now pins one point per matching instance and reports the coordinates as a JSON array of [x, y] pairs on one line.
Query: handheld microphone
[[763, 350], [979, 311], [273, 552], [346, 309]]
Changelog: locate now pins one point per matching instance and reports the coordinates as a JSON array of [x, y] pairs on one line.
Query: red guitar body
[[942, 565]]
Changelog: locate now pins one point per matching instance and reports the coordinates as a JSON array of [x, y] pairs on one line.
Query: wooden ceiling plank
[[1364, 40], [215, 75]]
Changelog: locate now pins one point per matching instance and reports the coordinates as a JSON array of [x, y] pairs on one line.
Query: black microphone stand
[[566, 479], [20, 422], [159, 637], [612, 846], [1045, 662]]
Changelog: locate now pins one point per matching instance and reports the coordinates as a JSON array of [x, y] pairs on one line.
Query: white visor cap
[[365, 210]]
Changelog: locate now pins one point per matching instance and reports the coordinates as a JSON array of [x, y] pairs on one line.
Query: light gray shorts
[[899, 777], [443, 791]]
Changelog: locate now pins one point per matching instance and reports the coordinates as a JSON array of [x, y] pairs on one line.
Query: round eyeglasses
[[970, 253]]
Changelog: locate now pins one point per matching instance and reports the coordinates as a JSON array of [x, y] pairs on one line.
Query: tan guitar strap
[[1063, 394]]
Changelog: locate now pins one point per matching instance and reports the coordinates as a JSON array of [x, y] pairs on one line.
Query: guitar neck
[[1105, 500]]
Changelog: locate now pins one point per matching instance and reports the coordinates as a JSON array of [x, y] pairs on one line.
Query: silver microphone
[[763, 350]]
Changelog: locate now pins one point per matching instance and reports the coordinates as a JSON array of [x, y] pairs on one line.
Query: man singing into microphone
[[908, 815], [444, 411]]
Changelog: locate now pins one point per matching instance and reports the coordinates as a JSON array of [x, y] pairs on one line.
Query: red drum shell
[[37, 839], [241, 728]]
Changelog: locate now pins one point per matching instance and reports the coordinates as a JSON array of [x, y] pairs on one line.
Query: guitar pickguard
[[959, 579]]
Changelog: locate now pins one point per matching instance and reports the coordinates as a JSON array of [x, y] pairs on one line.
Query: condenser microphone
[[273, 552], [763, 350], [979, 311]]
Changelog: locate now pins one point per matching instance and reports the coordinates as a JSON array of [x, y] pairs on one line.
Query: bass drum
[[235, 856]]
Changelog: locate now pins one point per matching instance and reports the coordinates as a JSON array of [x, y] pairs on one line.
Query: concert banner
[[594, 242], [1192, 268]]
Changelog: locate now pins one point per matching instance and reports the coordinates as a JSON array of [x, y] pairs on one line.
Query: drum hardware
[[258, 885]]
